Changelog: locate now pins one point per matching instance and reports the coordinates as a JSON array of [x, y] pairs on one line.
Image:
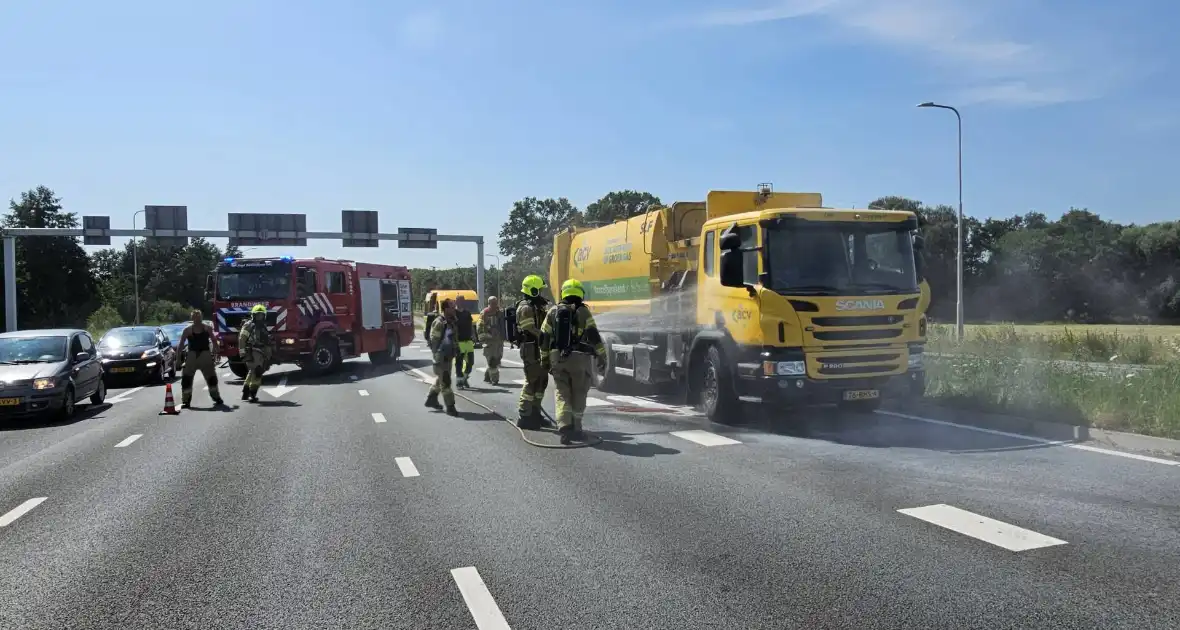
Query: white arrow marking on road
[[123, 396], [20, 511], [363, 392], [281, 389], [129, 440], [479, 600]]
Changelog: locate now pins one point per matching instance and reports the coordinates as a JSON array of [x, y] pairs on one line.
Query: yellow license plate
[[9, 402], [861, 394], [122, 370]]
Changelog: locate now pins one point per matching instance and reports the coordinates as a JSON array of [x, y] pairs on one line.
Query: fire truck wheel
[[239, 369], [390, 354], [326, 356]]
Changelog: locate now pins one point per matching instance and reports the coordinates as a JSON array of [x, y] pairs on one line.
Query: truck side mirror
[[208, 287], [732, 272]]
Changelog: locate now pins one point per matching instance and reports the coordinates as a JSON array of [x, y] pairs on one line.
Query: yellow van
[[434, 298]]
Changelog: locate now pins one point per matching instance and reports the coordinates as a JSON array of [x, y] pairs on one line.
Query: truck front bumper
[[802, 390]]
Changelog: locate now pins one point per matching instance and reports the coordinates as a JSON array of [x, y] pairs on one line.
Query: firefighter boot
[[451, 411], [541, 420], [253, 394], [566, 433], [432, 401], [245, 392], [529, 420]]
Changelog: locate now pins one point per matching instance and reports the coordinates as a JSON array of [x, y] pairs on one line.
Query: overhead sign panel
[[96, 223], [268, 229], [418, 238], [163, 220], [358, 223]]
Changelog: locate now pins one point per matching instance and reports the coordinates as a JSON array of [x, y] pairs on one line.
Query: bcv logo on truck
[[860, 305]]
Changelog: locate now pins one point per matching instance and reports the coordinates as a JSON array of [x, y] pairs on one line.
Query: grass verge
[[1154, 345], [1144, 402]]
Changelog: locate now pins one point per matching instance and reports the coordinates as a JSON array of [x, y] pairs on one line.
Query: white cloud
[[421, 31], [974, 43]]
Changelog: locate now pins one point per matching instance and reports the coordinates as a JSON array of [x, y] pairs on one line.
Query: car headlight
[[147, 354], [784, 368], [915, 360], [44, 383]]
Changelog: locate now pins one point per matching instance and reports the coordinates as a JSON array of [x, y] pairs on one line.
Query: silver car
[[46, 372]]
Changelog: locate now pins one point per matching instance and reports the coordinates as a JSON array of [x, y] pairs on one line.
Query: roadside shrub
[[166, 312], [102, 320], [1069, 343]]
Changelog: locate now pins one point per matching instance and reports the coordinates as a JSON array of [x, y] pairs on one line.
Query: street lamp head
[[927, 104]]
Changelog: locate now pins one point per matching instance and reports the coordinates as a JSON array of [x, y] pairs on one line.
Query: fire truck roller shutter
[[372, 316]]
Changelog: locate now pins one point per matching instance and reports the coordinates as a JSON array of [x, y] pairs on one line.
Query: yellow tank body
[[653, 281]]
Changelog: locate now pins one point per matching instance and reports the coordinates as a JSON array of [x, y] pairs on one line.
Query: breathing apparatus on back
[[531, 289], [566, 336]]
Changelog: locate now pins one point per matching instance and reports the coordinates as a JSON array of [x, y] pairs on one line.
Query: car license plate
[[122, 370], [861, 394], [9, 402]]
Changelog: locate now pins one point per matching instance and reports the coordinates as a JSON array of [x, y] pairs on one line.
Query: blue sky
[[441, 114]]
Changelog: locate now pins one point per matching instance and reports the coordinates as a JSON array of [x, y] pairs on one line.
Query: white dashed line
[[520, 381], [406, 466], [363, 392], [129, 440], [479, 600], [1080, 447], [378, 418], [511, 362], [21, 510], [989, 530], [597, 402], [704, 438]]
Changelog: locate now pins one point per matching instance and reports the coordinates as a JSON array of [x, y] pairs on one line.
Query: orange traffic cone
[[169, 403]]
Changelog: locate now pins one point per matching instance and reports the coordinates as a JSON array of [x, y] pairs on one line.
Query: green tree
[[620, 205], [527, 236], [54, 285]]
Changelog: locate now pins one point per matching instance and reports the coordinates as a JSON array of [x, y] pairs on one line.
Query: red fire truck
[[319, 311]]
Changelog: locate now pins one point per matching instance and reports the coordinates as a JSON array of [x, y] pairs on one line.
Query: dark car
[[48, 372], [137, 351]]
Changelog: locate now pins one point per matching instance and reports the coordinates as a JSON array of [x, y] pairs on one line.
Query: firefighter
[[465, 333], [255, 347], [444, 347], [530, 311], [431, 313], [572, 342], [202, 348], [491, 335]]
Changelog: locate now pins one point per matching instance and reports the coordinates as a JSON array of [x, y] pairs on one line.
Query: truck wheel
[[390, 354], [239, 369], [326, 356], [718, 400], [610, 381]]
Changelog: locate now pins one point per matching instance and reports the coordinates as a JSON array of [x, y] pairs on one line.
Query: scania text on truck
[[756, 296], [319, 311]]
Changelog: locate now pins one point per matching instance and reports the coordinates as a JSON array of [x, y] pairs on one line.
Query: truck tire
[[391, 353], [326, 356], [610, 382], [718, 400], [239, 369]]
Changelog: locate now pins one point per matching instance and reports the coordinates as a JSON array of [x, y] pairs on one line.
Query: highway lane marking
[[128, 440], [406, 466], [479, 600], [520, 381], [124, 396], [1080, 447], [363, 392], [21, 510], [597, 402], [989, 530], [426, 378], [378, 417], [704, 438], [511, 362]]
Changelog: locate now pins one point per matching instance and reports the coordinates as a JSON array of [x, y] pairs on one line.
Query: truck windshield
[[254, 282], [841, 259]]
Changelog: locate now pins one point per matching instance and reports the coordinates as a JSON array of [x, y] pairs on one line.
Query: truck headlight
[[784, 368], [915, 360], [43, 383], [288, 342]]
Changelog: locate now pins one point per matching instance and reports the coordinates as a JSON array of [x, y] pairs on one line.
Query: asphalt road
[[306, 510]]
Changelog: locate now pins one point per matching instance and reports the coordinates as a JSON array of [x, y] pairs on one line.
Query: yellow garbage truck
[[756, 296]]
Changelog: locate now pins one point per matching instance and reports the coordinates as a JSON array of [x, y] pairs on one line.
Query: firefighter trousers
[[533, 392], [256, 362], [493, 351], [442, 382], [198, 362], [572, 381]]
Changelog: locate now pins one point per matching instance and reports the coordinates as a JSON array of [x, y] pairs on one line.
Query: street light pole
[[499, 274], [959, 248], [135, 265]]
